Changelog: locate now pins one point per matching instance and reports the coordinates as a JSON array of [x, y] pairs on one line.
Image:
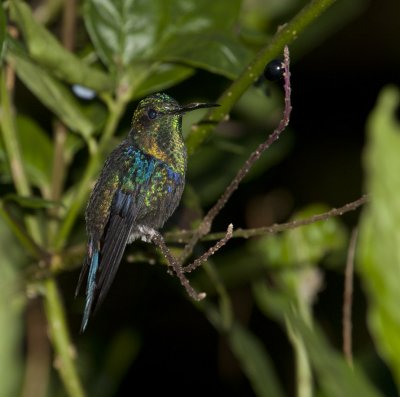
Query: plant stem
[[348, 299], [61, 340], [115, 112], [12, 147], [304, 378], [21, 234], [284, 36]]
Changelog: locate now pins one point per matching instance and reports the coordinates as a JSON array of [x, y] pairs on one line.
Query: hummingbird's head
[[157, 124]]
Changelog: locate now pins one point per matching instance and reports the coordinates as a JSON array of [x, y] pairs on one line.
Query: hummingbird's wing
[[104, 256], [124, 211]]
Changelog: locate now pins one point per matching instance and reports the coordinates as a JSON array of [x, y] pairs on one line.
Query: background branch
[[186, 235], [348, 298]]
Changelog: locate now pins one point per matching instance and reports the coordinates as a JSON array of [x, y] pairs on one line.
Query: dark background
[[335, 85]]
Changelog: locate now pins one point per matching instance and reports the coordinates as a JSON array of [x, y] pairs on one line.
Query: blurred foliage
[[53, 141], [379, 254]]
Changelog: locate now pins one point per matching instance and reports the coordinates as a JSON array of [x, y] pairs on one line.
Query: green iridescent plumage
[[139, 188]]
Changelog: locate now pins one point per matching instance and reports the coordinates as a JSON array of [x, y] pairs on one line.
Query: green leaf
[[121, 30], [379, 249], [165, 76], [217, 52], [48, 52], [255, 362], [37, 161], [51, 92], [197, 33]]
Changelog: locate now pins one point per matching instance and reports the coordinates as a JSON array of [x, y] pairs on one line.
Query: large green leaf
[[379, 263], [217, 52], [122, 30], [335, 378], [50, 91], [48, 52], [199, 33]]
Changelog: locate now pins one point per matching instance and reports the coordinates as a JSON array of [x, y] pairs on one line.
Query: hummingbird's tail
[[90, 288], [91, 265]]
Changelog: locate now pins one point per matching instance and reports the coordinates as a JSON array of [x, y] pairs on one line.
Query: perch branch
[[158, 240], [211, 251]]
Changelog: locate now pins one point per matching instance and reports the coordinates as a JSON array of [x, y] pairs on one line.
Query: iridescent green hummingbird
[[139, 188]]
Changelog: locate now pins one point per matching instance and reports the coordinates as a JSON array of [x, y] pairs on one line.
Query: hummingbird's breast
[[157, 184]]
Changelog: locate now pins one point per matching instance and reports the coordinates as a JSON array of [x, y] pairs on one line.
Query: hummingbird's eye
[[152, 114]]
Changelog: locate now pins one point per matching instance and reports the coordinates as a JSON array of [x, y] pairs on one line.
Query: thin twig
[[206, 223], [348, 299], [183, 236], [68, 32], [211, 251], [158, 240]]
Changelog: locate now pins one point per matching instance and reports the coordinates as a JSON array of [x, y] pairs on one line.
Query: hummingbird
[[138, 189]]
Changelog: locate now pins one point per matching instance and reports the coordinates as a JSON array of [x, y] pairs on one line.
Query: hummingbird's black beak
[[192, 106]]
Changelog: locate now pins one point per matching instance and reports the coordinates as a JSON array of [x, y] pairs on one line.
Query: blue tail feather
[[90, 288]]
